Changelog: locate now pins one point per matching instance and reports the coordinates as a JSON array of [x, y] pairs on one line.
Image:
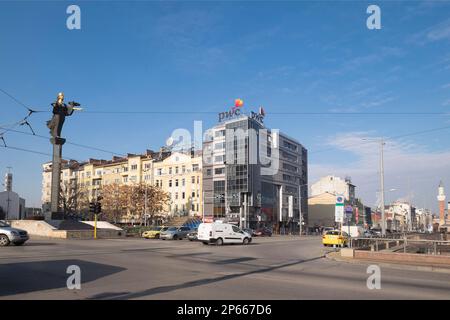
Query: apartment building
[[155, 168], [180, 175]]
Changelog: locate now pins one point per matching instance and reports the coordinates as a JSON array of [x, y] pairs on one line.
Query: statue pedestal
[[57, 141], [57, 216]]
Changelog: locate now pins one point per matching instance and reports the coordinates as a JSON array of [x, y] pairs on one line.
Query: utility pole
[[145, 200], [60, 112], [300, 218], [383, 218]]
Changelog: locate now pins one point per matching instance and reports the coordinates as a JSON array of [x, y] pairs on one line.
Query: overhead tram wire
[[71, 143], [24, 121], [33, 151], [386, 139], [25, 150], [272, 113]]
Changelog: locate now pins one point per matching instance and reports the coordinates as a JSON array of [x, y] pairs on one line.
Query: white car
[[9, 235], [222, 233]]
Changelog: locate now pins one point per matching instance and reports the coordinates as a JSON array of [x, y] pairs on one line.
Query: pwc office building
[[253, 176]]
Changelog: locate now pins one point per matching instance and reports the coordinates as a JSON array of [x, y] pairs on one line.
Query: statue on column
[[60, 112]]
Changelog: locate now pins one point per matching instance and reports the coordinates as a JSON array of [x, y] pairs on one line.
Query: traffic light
[[98, 207], [92, 207]]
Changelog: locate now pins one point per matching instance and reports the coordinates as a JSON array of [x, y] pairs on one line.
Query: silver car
[[175, 233], [9, 235]]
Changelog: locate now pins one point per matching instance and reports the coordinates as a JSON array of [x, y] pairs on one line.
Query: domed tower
[[441, 198]]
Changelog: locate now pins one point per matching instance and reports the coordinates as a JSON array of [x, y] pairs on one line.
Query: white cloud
[[437, 32], [411, 169]]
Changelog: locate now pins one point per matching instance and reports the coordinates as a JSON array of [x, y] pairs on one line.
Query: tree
[[114, 202], [128, 201], [73, 199]]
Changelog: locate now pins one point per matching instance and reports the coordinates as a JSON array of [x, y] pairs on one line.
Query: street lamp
[[300, 213], [383, 217], [145, 199]]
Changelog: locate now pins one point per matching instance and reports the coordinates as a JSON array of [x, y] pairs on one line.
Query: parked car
[[192, 235], [154, 232], [12, 235], [326, 229], [221, 233], [174, 233], [335, 238], [369, 234], [249, 231], [263, 232], [376, 232]]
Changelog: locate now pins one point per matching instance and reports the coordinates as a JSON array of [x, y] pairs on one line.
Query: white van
[[220, 233]]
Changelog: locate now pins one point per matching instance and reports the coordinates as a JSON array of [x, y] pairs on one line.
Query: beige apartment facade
[[178, 174], [181, 176]]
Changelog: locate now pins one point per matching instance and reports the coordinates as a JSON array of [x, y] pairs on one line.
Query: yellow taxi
[[154, 232], [335, 238]]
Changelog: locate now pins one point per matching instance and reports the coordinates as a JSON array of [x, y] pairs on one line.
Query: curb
[[333, 256]]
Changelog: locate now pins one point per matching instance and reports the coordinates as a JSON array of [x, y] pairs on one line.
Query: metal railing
[[424, 246]]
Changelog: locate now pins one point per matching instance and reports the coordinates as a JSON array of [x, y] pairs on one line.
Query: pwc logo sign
[[259, 116], [234, 111]]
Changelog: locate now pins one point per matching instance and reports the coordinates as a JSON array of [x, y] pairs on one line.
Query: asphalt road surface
[[269, 268]]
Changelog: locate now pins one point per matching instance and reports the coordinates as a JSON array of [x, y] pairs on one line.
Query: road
[[269, 268]]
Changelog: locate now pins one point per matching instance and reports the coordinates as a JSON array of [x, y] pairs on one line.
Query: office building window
[[192, 179], [219, 159], [183, 195], [193, 194], [289, 167], [170, 170], [195, 167], [219, 133], [176, 182], [176, 170], [289, 145], [183, 182], [219, 146], [183, 169], [170, 183], [219, 171], [134, 167]]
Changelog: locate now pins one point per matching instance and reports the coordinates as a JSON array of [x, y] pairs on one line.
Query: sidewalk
[[336, 256]]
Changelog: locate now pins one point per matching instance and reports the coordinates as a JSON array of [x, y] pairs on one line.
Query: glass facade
[[238, 190]]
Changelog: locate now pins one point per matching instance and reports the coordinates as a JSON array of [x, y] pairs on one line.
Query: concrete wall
[[403, 257], [43, 229], [40, 228]]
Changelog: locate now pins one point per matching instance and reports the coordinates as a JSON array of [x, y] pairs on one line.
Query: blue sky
[[296, 56]]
